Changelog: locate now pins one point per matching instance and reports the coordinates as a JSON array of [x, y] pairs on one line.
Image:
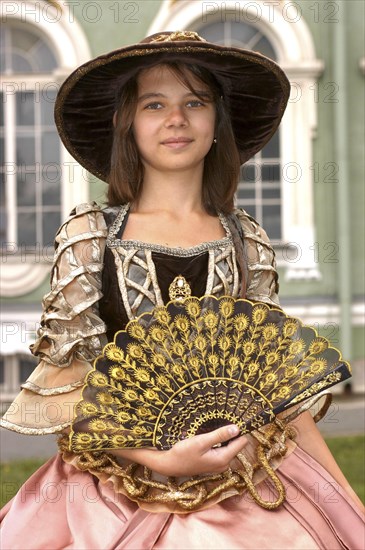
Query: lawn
[[348, 451]]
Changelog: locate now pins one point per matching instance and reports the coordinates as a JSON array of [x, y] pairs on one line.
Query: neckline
[[114, 242]]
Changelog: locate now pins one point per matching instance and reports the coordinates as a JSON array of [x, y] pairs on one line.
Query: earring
[[215, 140]]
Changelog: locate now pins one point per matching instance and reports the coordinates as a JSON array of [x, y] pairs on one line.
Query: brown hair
[[221, 164]]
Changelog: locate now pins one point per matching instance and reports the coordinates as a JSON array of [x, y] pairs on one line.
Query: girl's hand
[[201, 454]]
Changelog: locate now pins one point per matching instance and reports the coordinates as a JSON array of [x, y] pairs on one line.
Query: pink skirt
[[60, 507]]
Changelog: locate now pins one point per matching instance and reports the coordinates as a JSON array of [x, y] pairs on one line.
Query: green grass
[[14, 474], [348, 451]]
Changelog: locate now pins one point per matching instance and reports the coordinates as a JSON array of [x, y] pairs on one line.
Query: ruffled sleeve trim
[[71, 333], [70, 324]]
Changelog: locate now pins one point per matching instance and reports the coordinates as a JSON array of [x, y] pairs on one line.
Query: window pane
[[1, 110], [51, 223], [272, 220], [26, 188], [2, 50], [46, 61], [25, 154], [2, 370], [3, 225], [22, 39], [248, 173], [47, 100], [2, 153], [20, 64], [26, 229], [270, 172], [2, 190], [212, 33], [3, 211], [271, 149], [263, 46], [242, 32], [236, 33], [26, 367], [25, 109], [50, 148], [25, 52], [30, 52], [246, 192], [51, 187], [271, 193]]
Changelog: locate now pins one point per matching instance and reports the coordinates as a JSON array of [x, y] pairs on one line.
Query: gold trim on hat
[[178, 35]]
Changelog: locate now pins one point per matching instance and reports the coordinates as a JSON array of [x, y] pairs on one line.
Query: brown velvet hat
[[254, 87]]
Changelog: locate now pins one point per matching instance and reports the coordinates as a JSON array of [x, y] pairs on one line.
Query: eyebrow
[[198, 93]]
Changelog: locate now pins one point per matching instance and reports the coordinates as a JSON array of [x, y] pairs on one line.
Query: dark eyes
[[153, 106], [194, 103]]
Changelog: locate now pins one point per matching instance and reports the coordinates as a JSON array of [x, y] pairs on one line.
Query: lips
[[176, 140]]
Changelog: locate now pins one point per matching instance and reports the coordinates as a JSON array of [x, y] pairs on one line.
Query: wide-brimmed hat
[[255, 89]]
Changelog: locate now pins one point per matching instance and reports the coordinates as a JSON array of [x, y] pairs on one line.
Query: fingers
[[203, 453], [217, 437], [229, 452]]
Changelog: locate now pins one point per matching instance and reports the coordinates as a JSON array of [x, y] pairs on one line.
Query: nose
[[176, 116]]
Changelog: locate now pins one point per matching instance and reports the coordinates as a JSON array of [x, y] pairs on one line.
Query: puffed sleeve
[[262, 278], [71, 333]]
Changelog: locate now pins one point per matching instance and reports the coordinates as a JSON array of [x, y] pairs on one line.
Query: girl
[[166, 123]]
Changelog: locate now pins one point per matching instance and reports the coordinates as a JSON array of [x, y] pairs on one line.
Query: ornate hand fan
[[193, 366]]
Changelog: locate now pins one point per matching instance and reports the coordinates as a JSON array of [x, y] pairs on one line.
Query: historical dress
[[99, 282]]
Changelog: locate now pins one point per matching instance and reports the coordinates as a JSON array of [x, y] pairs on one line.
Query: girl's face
[[173, 128]]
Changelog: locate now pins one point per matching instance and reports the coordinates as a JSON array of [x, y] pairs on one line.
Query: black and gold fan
[[193, 366]]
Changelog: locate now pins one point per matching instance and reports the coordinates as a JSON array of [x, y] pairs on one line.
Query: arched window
[[259, 191], [30, 147], [41, 43]]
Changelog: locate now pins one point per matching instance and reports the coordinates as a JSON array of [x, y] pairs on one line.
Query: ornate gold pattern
[[178, 36], [139, 484], [193, 366], [179, 289]]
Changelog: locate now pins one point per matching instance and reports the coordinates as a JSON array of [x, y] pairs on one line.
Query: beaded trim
[[33, 431], [113, 242], [67, 388]]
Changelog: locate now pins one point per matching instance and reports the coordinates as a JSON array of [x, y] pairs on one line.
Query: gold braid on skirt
[[189, 495]]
